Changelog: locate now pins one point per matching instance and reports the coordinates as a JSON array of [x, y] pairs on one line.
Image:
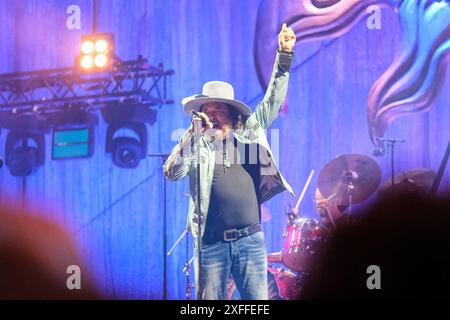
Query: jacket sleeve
[[267, 110], [178, 164]]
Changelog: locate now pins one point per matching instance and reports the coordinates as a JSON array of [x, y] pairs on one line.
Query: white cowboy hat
[[214, 91]]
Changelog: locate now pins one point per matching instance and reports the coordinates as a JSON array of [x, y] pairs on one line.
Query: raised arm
[[267, 110]]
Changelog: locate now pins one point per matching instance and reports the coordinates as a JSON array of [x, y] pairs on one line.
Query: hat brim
[[196, 103]]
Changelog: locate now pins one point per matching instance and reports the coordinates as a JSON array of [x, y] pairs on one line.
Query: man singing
[[237, 174]]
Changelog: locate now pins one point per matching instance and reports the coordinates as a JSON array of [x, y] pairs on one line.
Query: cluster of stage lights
[[96, 52]]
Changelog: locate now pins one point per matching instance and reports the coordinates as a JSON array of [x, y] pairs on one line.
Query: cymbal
[[417, 180], [362, 171]]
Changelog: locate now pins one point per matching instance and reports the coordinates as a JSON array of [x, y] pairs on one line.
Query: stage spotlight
[[127, 143], [87, 47], [25, 142], [73, 132], [25, 152], [87, 62], [126, 136], [72, 143], [101, 45], [101, 60], [97, 52]]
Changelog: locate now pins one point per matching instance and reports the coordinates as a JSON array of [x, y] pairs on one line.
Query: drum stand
[[391, 144], [350, 187], [440, 172], [380, 151]]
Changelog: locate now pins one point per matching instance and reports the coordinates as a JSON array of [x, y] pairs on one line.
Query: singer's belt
[[234, 234]]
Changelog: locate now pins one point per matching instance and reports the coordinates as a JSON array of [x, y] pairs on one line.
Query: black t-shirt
[[234, 201]]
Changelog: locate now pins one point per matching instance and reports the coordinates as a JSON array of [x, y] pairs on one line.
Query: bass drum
[[303, 239], [282, 284]]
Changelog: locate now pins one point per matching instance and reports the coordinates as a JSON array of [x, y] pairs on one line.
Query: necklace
[[226, 162]]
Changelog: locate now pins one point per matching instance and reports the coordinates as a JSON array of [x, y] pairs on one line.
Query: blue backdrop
[[116, 214]]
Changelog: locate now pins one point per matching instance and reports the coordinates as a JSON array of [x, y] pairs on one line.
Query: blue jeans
[[245, 259]]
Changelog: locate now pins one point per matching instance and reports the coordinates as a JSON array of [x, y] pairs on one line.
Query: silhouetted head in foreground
[[407, 237], [35, 255]]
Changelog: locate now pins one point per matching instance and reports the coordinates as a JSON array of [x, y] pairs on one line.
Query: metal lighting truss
[[44, 91]]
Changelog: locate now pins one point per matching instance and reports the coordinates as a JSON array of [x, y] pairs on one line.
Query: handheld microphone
[[197, 127], [196, 114]]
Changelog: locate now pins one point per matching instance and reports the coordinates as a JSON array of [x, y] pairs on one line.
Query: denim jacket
[[254, 131]]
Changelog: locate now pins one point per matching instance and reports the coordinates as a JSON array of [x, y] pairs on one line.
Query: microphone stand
[[188, 271], [163, 157], [379, 151], [197, 124], [391, 144], [186, 268]]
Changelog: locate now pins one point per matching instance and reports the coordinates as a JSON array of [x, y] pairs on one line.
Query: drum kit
[[344, 181]]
